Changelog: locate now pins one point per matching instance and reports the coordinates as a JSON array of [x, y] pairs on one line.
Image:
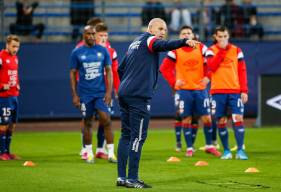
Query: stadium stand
[[123, 17]]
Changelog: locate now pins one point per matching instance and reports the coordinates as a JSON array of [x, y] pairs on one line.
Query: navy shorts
[[89, 108], [9, 110], [110, 109], [191, 102], [223, 102]]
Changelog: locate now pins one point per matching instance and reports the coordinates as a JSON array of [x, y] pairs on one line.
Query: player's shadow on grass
[[230, 184], [222, 183]]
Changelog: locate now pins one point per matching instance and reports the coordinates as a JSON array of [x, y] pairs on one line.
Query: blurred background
[[50, 29]]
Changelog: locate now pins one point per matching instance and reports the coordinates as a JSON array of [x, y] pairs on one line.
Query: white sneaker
[[226, 155], [90, 158], [112, 159], [84, 156], [82, 151]]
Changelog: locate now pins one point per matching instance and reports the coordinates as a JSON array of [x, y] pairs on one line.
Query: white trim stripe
[[149, 39], [140, 134], [114, 56], [240, 55], [204, 49], [172, 55], [209, 53], [134, 144]]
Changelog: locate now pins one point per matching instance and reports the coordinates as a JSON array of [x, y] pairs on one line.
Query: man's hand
[[192, 43], [244, 97], [6, 87], [107, 98], [179, 83], [76, 101], [204, 81]]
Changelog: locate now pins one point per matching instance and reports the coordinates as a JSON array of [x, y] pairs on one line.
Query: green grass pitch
[[59, 167]]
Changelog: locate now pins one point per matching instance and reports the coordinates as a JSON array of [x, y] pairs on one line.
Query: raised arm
[[213, 61], [116, 80], [157, 45]]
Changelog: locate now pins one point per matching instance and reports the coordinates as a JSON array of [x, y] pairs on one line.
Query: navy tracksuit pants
[[135, 115]]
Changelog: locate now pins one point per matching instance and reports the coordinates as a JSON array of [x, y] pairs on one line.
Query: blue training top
[[138, 71], [90, 62]]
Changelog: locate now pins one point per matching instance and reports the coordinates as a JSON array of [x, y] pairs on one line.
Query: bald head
[[155, 21], [157, 27]]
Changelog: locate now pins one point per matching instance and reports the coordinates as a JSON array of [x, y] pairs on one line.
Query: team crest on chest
[[83, 57], [8, 61], [99, 54]]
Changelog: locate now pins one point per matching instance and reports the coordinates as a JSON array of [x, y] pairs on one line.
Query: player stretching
[[9, 92], [190, 81], [228, 88], [90, 94]]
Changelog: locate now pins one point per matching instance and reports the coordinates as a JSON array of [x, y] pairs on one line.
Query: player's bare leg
[[88, 121], [108, 133], [83, 149], [101, 151]]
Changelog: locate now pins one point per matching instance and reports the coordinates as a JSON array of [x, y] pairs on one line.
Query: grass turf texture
[[59, 167]]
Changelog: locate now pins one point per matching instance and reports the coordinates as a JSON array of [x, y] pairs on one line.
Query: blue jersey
[[90, 62], [138, 72]]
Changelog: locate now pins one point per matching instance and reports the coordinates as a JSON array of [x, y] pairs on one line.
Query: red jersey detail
[[80, 44], [9, 74], [114, 68], [242, 73], [168, 70], [150, 42]]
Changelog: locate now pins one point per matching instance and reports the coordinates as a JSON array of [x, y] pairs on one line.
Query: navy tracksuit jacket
[[138, 74]]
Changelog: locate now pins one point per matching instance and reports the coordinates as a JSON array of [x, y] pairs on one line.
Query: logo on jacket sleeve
[[135, 45], [148, 107]]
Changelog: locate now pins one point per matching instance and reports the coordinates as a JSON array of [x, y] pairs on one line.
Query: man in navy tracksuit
[[138, 73]]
